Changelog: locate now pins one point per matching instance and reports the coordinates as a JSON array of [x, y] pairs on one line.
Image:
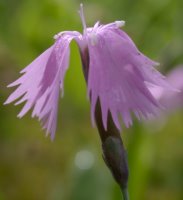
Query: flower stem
[[125, 193], [114, 153]]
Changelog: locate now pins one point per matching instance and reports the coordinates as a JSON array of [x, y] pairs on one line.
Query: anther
[[119, 24]]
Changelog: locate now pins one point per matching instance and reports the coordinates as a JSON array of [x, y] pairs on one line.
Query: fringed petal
[[41, 82], [118, 76]]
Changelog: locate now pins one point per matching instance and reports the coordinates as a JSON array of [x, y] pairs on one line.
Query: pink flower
[[116, 71]]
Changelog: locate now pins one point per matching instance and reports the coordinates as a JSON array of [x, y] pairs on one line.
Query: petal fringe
[[41, 82], [118, 76]]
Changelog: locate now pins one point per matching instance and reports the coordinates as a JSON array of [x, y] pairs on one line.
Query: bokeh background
[[71, 167]]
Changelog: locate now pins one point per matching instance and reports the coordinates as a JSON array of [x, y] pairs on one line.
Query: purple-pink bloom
[[119, 75]]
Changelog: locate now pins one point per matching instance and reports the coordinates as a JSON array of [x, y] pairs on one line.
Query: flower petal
[[41, 82], [119, 74]]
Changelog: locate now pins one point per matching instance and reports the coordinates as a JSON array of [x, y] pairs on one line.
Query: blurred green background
[[71, 167]]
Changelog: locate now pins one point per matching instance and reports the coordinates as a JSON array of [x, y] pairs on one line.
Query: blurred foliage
[[31, 166]]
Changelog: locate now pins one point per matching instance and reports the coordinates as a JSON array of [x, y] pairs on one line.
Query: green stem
[[125, 193], [114, 153]]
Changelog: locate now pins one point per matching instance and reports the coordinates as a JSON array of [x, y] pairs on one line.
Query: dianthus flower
[[117, 74]]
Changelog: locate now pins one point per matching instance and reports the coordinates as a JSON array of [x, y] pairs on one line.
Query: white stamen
[[81, 13], [119, 24]]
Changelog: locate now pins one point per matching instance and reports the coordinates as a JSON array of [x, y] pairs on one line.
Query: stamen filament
[[81, 13]]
